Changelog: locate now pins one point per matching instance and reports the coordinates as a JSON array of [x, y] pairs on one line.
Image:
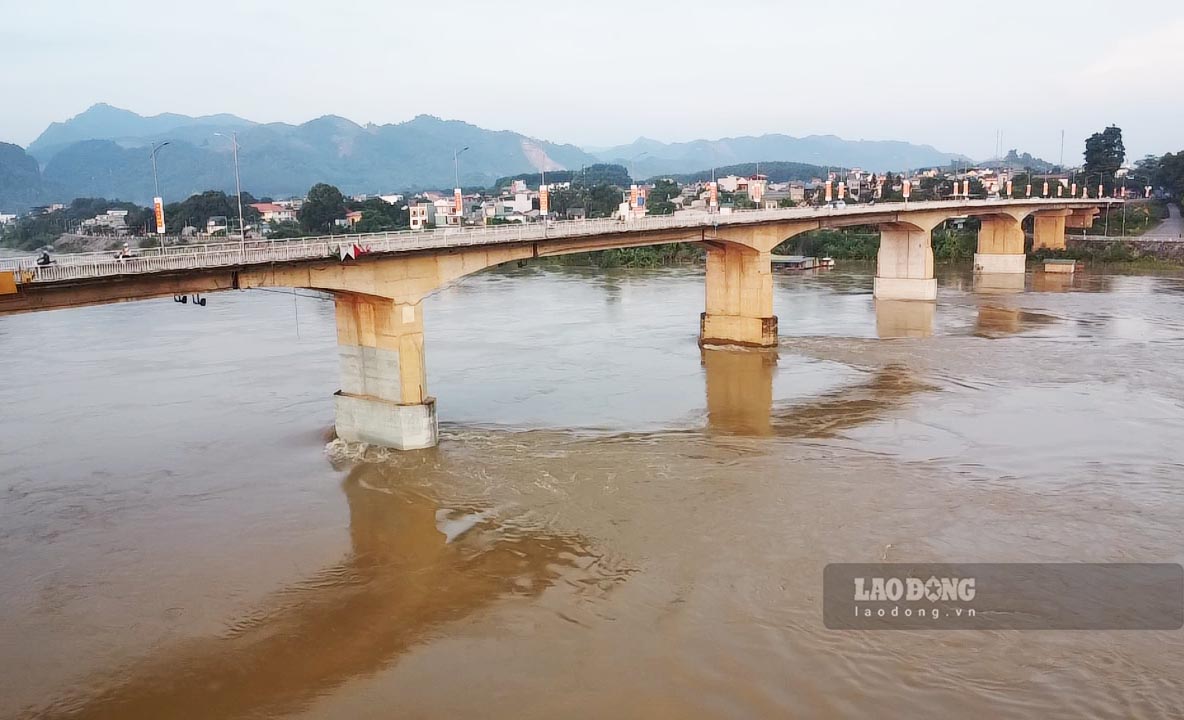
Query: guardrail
[[254, 252], [1126, 238]]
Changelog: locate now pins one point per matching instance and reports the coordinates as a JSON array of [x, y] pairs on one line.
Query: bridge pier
[[904, 264], [383, 398], [739, 290], [1000, 247], [1048, 229]]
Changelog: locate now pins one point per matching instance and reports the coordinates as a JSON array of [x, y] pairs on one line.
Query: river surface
[[614, 524]]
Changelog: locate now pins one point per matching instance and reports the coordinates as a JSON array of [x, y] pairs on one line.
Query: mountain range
[[105, 152], [653, 157]]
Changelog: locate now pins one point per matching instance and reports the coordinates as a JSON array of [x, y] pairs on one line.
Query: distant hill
[[777, 172], [104, 152], [20, 180], [104, 122], [824, 150], [1024, 161]]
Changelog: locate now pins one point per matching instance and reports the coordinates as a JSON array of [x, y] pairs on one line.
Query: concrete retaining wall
[[1156, 247]]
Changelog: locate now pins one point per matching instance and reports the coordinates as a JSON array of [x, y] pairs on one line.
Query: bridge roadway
[[378, 295]]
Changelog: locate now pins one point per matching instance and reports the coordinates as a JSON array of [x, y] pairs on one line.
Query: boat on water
[[797, 263]]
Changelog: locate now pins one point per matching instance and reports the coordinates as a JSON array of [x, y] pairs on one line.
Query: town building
[[274, 212], [422, 214]]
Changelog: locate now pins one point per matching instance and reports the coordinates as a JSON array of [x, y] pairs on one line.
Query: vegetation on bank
[[650, 256], [1133, 218]]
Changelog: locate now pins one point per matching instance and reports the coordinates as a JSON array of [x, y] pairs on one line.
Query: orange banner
[[158, 208]]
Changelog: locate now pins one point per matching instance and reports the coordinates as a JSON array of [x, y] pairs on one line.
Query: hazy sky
[[603, 72]]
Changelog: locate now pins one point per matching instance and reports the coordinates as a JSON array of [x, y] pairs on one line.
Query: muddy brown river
[[615, 524]]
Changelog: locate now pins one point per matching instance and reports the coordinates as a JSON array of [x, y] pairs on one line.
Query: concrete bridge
[[380, 325]]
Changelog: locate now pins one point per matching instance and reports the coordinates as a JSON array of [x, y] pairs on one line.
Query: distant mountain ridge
[[657, 158], [104, 152]]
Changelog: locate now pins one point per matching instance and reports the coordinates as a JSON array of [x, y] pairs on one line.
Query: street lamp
[[238, 189], [156, 198], [456, 164], [458, 199]]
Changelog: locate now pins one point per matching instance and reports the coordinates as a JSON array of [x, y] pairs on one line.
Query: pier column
[[383, 398], [1048, 229], [1000, 247], [739, 298], [904, 265]]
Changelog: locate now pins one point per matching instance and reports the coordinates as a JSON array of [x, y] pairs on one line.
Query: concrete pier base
[[904, 288], [999, 264], [386, 424], [737, 330]]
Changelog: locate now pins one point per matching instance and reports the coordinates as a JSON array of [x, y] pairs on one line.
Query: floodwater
[[614, 524]]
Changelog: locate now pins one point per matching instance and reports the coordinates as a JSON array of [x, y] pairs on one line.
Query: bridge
[[379, 280]]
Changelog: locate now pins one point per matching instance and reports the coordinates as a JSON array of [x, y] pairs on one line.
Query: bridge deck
[[175, 258]]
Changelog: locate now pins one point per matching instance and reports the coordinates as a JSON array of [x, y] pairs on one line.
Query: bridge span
[[378, 291]]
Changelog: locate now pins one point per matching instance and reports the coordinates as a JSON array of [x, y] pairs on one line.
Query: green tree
[[324, 204], [1104, 155], [659, 200], [284, 230]]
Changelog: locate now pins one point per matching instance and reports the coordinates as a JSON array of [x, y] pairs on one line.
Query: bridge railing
[[255, 251]]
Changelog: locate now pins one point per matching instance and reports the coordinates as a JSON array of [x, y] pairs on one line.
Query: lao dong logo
[[913, 589], [889, 593]]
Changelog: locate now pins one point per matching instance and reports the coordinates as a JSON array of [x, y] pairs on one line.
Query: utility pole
[[156, 197], [238, 189]]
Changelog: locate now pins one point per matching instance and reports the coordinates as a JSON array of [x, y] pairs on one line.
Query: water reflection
[[994, 321], [1000, 283], [886, 391], [904, 318], [740, 398], [414, 566], [740, 390]]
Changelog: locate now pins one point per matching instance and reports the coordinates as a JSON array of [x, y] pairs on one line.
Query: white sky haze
[[950, 74]]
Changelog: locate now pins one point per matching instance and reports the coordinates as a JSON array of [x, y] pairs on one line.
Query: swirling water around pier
[[614, 524]]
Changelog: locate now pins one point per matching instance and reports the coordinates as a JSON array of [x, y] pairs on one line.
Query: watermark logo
[[913, 589], [1048, 596]]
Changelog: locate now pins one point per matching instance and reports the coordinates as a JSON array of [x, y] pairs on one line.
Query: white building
[[422, 214]]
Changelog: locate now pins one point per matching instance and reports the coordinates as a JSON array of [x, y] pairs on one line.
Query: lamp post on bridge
[[157, 201], [238, 189], [458, 196]]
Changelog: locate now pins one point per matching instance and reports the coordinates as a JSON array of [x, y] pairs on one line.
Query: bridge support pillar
[[904, 265], [1000, 247], [383, 398], [1048, 229], [739, 287]]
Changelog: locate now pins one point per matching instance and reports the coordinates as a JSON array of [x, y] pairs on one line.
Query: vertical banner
[[828, 191], [544, 200], [1147, 191], [459, 202], [907, 189], [1009, 189], [714, 196], [158, 211], [633, 197], [1101, 190], [1073, 190], [1045, 193], [1060, 190], [1029, 189]]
